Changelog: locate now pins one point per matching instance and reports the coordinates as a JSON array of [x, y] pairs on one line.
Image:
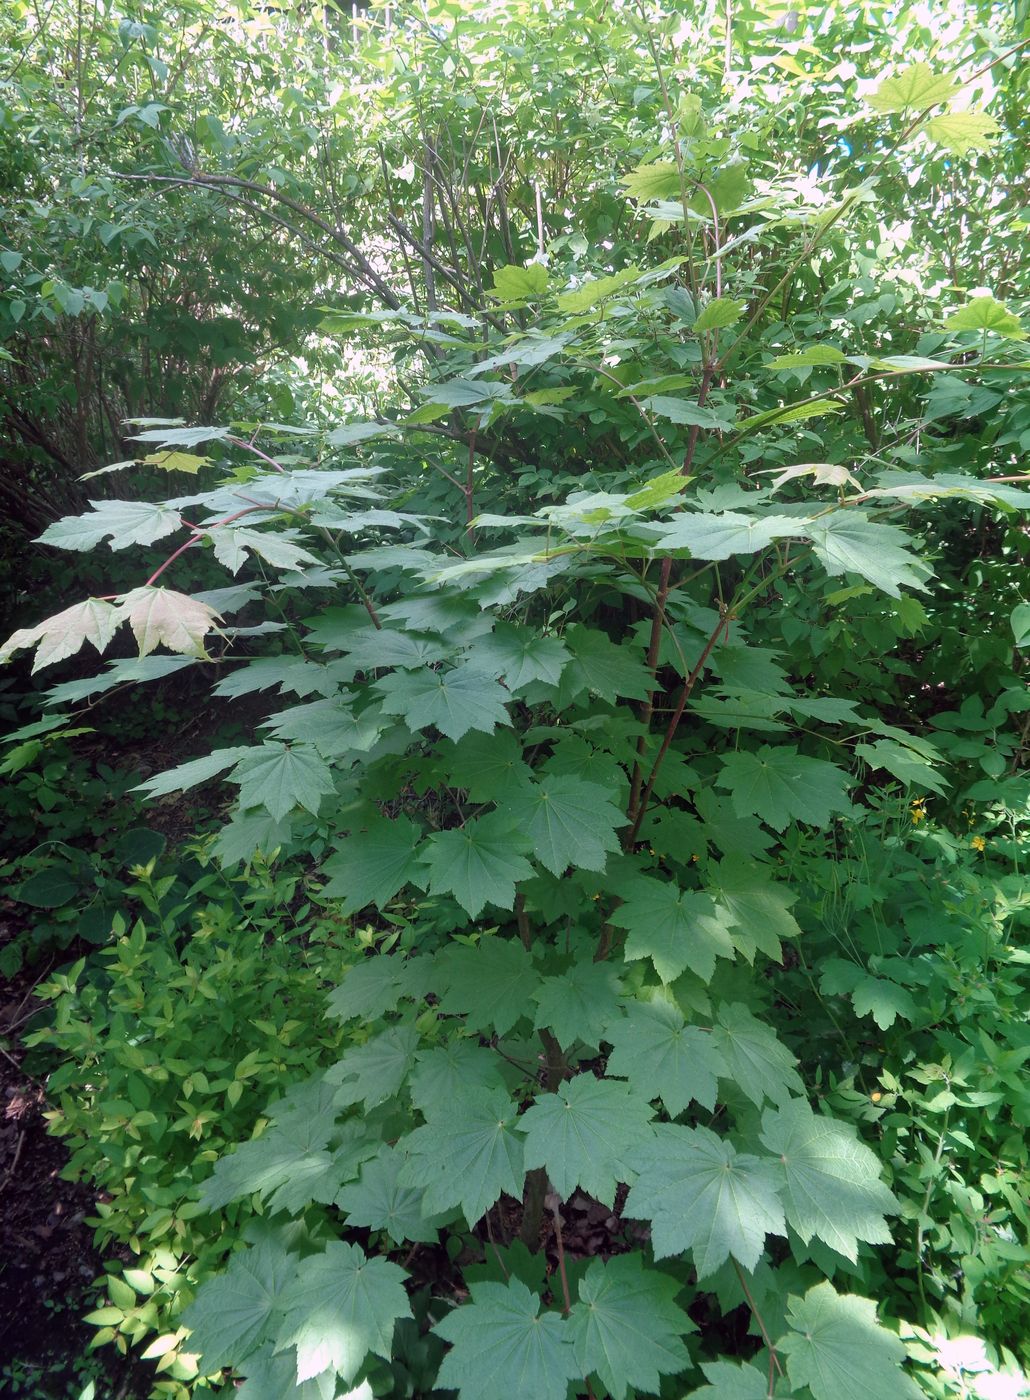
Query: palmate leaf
[[371, 866], [721, 536], [121, 523], [467, 1154], [501, 1337], [374, 1071], [601, 667], [728, 1381], [443, 1073], [913, 89], [478, 863], [986, 314], [700, 1194], [663, 1057], [236, 1310], [452, 701], [488, 766], [377, 984], [963, 132], [490, 985], [674, 928], [829, 1181], [271, 1375], [584, 1134], [760, 1065], [161, 617], [378, 1201], [279, 778], [232, 544], [626, 1327], [567, 821], [578, 1004], [189, 775], [755, 908], [848, 542], [288, 1168], [519, 656], [779, 785], [62, 635], [838, 1349], [341, 1306]]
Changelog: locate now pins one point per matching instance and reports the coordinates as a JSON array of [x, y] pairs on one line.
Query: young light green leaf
[[467, 1154], [477, 863], [759, 1064], [578, 1004], [279, 778], [567, 821], [452, 701], [828, 1179], [701, 1194], [654, 1048], [985, 314], [719, 313], [62, 635], [779, 785], [515, 283], [913, 89], [490, 985], [341, 1306], [672, 927], [838, 1349], [962, 132], [236, 1310], [811, 357], [502, 1333], [371, 865], [232, 544], [626, 1327], [584, 1133]]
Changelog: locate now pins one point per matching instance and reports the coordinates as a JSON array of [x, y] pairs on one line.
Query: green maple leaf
[[452, 701], [377, 984], [828, 1179], [851, 543], [273, 1376], [759, 1064], [237, 1310], [488, 766], [288, 1168], [279, 778], [162, 617], [568, 822], [721, 536], [502, 1334], [601, 667], [902, 763], [756, 908], [700, 1194], [467, 1154], [490, 985], [378, 1201], [477, 863], [654, 1048], [986, 314], [375, 1071], [441, 1074], [579, 1003], [779, 785], [376, 648], [341, 1306], [519, 656], [188, 775], [727, 1381], [626, 1327], [120, 522], [333, 729], [672, 927], [584, 1133], [838, 1349], [372, 865]]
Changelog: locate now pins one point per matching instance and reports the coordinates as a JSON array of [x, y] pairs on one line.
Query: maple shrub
[[599, 664]]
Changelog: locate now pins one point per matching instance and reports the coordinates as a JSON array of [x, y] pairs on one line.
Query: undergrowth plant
[[617, 751]]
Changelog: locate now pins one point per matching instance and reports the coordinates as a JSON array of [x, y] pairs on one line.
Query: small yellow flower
[[918, 811], [876, 1096], [978, 843]]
